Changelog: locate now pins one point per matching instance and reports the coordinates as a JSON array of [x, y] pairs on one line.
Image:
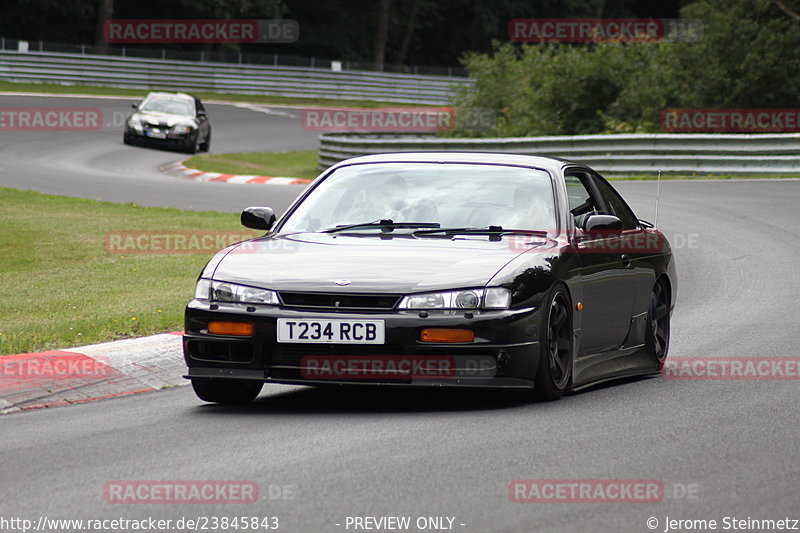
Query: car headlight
[[180, 130], [221, 291], [135, 123], [490, 298]]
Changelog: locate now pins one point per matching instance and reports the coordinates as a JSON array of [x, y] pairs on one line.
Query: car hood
[[163, 118], [389, 264]]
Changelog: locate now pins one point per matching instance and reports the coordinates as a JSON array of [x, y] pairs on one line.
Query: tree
[[105, 10], [748, 57], [381, 35]]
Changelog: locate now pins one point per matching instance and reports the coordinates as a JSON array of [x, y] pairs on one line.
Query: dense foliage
[[412, 32], [749, 57]]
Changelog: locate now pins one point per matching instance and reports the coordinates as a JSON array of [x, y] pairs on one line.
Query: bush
[[748, 57]]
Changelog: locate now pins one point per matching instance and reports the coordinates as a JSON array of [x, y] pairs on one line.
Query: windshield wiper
[[385, 225], [491, 230]]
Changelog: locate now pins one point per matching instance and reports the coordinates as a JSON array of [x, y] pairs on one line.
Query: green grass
[[299, 164], [136, 94], [61, 288]]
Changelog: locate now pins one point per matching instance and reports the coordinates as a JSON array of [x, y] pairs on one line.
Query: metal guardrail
[[224, 55], [687, 153], [137, 73]]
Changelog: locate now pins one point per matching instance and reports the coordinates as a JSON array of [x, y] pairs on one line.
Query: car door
[[638, 246], [606, 278]]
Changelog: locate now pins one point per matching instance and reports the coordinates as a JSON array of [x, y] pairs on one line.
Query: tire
[[658, 324], [206, 146], [191, 145], [554, 373], [226, 391], [127, 139]]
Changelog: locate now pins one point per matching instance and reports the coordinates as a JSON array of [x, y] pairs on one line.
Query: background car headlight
[[135, 123], [491, 298], [220, 291], [180, 130]]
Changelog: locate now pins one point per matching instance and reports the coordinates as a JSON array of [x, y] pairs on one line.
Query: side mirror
[[602, 223], [258, 218], [134, 106]]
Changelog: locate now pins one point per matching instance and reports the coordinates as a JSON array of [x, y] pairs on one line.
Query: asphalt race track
[[95, 164], [721, 448]]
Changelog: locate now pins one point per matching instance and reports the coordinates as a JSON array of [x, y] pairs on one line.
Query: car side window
[[580, 199], [615, 205]]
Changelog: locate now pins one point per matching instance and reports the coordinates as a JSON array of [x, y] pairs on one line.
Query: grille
[[344, 302]]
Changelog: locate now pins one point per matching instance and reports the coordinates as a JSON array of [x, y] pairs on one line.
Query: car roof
[[174, 95], [552, 164]]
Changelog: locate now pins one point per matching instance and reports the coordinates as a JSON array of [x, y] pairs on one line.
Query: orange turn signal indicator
[[239, 329], [446, 335]]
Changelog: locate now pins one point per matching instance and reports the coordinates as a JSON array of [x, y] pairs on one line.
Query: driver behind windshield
[[531, 208], [384, 198]]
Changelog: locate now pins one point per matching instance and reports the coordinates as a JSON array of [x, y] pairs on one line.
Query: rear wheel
[[226, 391], [555, 347], [657, 340]]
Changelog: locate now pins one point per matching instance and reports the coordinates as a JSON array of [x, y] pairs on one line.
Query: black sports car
[[431, 269], [172, 120]]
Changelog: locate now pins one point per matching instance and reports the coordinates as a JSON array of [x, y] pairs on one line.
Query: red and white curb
[[178, 169], [87, 373]]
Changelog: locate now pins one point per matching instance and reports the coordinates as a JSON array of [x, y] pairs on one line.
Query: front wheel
[[657, 341], [206, 146], [555, 347], [226, 391], [191, 146]]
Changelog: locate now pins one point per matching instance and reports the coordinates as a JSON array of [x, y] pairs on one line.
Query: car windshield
[[173, 106], [450, 195]]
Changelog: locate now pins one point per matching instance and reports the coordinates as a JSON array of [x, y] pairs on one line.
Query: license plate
[[332, 331], [156, 135]]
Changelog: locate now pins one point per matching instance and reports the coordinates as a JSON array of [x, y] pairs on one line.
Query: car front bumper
[[170, 139], [504, 353]]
